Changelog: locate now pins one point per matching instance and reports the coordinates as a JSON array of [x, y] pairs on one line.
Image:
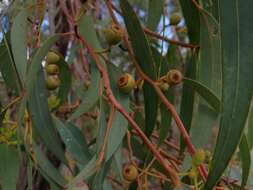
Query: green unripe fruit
[[113, 34], [53, 82], [126, 83], [199, 157], [174, 77], [130, 172], [53, 101], [52, 57], [175, 18], [52, 69]]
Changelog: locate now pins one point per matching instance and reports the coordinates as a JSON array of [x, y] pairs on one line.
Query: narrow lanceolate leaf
[[18, 43], [7, 66], [90, 97], [166, 63], [204, 91], [41, 118], [9, 166], [76, 146], [237, 46], [65, 77], [89, 170], [192, 20], [245, 159], [209, 75], [119, 124], [144, 58], [188, 97], [155, 11], [47, 167], [250, 127]]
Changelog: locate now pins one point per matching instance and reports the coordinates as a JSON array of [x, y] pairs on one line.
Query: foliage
[[153, 94]]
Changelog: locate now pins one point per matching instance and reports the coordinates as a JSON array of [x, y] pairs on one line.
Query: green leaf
[[250, 127], [204, 91], [9, 167], [144, 58], [47, 167], [166, 63], [18, 43], [88, 31], [65, 77], [155, 11], [188, 97], [236, 43], [192, 20], [74, 144], [245, 159], [90, 97], [7, 66], [100, 177], [203, 126], [119, 124], [88, 171], [208, 76], [41, 118]]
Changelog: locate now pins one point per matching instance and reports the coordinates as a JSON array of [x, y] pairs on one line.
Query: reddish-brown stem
[[112, 99]]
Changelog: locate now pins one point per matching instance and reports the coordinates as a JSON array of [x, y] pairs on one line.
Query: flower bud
[[199, 157]]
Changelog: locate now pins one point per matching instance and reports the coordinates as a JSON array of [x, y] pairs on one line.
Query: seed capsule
[[52, 57], [130, 172], [174, 77], [52, 69], [126, 83], [175, 18], [113, 34], [53, 82]]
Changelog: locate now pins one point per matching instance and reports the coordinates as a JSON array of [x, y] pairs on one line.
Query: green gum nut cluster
[[52, 70], [126, 83]]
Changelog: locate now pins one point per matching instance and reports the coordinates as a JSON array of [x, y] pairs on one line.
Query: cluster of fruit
[[173, 77], [52, 70], [126, 82]]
